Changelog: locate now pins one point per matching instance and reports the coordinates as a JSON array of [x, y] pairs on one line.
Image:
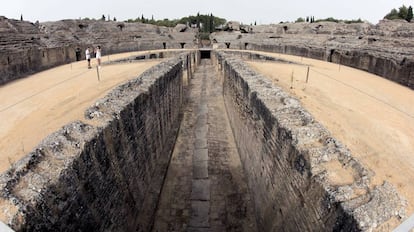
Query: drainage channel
[[205, 188]]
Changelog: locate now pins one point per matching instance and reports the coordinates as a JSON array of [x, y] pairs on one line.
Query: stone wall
[[105, 174], [26, 48], [16, 64], [291, 162], [384, 49], [401, 72]]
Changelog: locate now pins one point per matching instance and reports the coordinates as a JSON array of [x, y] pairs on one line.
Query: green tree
[[409, 16], [300, 20], [403, 11], [212, 26], [392, 15], [198, 20], [209, 22]]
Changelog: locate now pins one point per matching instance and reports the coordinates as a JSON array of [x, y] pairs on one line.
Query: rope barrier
[[365, 93], [42, 91]]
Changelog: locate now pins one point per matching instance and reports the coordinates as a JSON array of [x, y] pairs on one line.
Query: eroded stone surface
[[385, 49]]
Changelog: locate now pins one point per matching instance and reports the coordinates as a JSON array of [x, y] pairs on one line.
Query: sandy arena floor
[[372, 116], [33, 107]]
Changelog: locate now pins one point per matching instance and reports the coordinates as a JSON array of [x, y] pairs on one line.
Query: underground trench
[[205, 187], [198, 143]]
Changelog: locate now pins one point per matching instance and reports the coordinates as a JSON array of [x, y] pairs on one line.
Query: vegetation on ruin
[[330, 19], [403, 12], [205, 22]]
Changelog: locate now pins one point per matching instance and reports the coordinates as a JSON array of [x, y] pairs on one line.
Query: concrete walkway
[[205, 188]]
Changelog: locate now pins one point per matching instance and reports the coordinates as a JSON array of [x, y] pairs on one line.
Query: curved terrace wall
[[18, 64], [26, 48], [385, 49], [400, 72]]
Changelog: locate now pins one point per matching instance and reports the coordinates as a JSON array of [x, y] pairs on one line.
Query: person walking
[[88, 57], [98, 55]]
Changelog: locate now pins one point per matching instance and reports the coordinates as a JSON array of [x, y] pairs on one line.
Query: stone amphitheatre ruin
[[287, 127]]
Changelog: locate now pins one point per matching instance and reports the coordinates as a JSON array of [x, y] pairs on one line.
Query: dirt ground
[[33, 107], [372, 116]]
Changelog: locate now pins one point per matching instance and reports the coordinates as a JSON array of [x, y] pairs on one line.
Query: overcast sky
[[245, 11]]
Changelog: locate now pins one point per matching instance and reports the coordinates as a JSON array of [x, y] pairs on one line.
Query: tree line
[[403, 12], [205, 22], [311, 19]]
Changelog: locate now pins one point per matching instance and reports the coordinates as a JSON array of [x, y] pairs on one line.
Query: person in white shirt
[[98, 55], [88, 57]]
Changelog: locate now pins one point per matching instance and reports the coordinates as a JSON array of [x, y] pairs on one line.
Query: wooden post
[[340, 61], [307, 75], [97, 71], [291, 81]]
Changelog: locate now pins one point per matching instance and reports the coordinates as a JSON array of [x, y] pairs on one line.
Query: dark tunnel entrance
[[205, 54]]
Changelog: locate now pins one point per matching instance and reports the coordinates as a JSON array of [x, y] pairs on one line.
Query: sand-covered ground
[[372, 116], [33, 107]]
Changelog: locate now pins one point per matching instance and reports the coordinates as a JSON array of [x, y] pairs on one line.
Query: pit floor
[[205, 188]]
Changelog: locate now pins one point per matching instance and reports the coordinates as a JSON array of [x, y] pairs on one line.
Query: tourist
[[88, 57], [98, 55]]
